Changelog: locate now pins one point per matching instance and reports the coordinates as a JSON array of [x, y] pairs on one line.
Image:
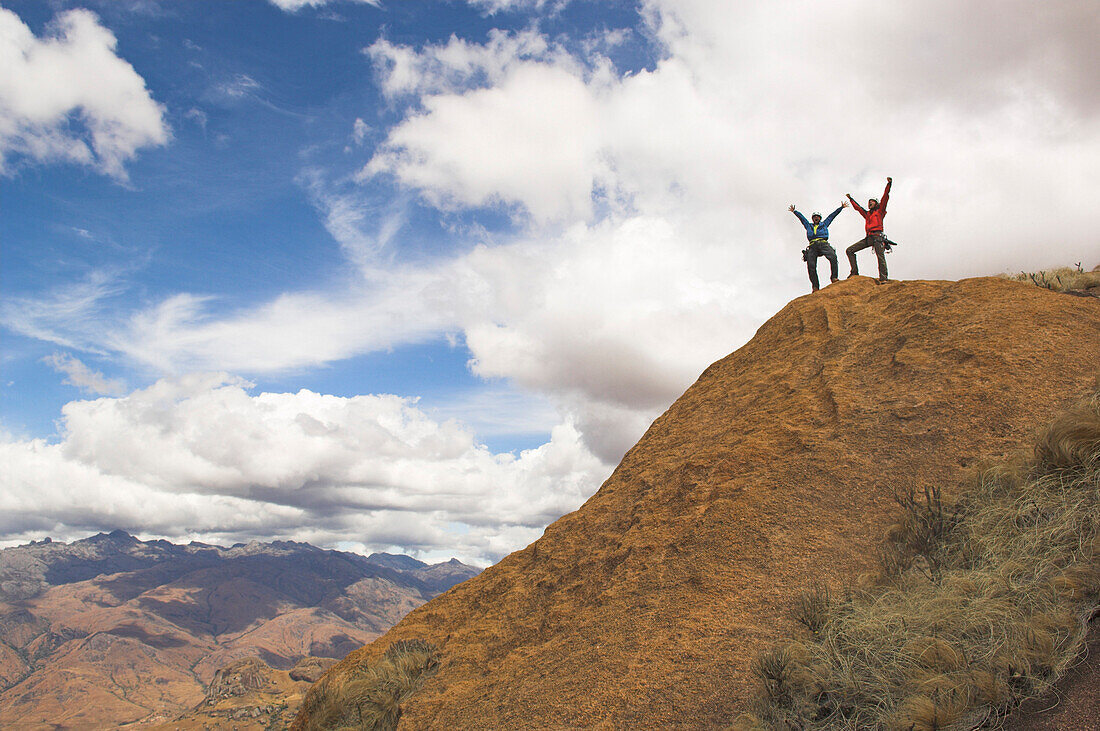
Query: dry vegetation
[[370, 695], [982, 601], [1063, 279]]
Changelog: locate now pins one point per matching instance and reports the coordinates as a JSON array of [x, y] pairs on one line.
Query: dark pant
[[817, 248], [879, 242]]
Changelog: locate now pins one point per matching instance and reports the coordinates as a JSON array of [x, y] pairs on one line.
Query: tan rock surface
[[645, 607]]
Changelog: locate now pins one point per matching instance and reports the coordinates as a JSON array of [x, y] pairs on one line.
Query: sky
[[412, 275]]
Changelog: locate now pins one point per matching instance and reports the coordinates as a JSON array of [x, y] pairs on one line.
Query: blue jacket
[[818, 230]]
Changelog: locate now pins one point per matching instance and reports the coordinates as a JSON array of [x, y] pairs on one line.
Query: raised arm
[[886, 194], [860, 209], [833, 215], [802, 218]]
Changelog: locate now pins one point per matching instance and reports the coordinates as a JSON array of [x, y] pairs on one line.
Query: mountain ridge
[[112, 629]]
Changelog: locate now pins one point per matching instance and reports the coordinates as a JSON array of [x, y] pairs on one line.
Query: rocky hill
[[111, 629], [646, 607], [250, 695]]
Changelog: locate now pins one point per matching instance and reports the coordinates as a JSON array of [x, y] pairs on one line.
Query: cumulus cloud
[[657, 237], [610, 321], [614, 321], [403, 70], [681, 174], [68, 96], [654, 235], [489, 146], [741, 115], [201, 455], [494, 98]]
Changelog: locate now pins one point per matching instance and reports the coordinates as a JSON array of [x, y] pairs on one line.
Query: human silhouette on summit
[[817, 233], [875, 238]]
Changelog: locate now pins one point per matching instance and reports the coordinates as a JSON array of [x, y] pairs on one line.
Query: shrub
[[812, 608], [370, 695]]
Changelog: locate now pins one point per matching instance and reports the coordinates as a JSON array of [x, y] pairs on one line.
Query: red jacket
[[874, 218]]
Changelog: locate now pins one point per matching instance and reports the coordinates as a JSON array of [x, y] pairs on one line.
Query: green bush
[[981, 603]]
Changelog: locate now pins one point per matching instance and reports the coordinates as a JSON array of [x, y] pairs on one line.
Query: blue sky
[[413, 275], [254, 96]]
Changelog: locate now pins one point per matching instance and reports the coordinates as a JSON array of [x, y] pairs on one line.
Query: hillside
[[250, 695], [111, 629], [647, 605]]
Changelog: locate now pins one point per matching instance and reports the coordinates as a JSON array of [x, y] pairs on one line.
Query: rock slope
[[249, 695], [646, 607]]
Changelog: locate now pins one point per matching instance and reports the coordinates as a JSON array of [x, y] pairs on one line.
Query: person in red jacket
[[876, 238]]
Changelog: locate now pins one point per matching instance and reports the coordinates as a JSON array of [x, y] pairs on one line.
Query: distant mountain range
[[111, 629]]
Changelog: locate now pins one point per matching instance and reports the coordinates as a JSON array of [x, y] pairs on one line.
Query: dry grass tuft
[[1063, 279], [369, 697], [980, 602], [812, 608], [1073, 439]]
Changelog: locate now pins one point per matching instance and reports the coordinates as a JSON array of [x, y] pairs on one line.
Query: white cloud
[[68, 97], [740, 116], [613, 321], [362, 228], [610, 321], [489, 145], [239, 85], [293, 6], [199, 455], [197, 116], [72, 315], [497, 411], [492, 7], [360, 131], [80, 375], [295, 330], [671, 184], [656, 234], [402, 70]]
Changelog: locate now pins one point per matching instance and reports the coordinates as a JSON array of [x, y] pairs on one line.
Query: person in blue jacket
[[817, 233]]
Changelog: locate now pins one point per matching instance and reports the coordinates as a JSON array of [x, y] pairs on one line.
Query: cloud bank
[[652, 204], [652, 238], [201, 456]]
